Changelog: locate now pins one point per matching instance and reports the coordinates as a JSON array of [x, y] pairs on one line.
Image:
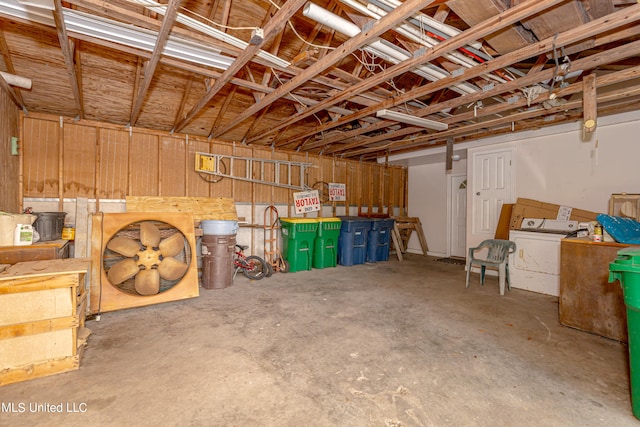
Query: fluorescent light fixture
[[380, 47], [194, 24], [412, 120], [42, 4]]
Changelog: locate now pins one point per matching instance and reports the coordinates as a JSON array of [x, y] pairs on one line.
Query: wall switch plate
[[14, 145]]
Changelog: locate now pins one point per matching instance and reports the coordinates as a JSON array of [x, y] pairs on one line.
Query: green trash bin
[[325, 251], [298, 238], [626, 269]]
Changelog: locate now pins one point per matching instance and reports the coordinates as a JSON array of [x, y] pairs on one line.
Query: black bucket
[[49, 225]]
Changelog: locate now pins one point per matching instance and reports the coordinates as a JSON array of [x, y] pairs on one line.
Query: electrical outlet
[[14, 145]]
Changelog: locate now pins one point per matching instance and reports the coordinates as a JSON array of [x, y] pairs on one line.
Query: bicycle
[[252, 267]]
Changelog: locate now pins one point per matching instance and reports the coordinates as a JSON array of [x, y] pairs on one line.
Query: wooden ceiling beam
[[607, 24], [584, 63], [150, 69], [499, 109], [68, 56], [619, 95], [6, 56], [109, 10], [378, 27], [426, 55], [275, 25], [187, 90]]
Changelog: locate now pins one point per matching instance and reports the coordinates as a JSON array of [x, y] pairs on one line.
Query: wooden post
[[96, 178], [61, 166], [589, 102]]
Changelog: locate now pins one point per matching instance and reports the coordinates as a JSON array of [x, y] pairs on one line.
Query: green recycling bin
[[325, 251], [298, 239], [626, 269]]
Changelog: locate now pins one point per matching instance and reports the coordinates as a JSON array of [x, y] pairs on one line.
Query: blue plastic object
[[352, 242], [623, 230], [378, 239]]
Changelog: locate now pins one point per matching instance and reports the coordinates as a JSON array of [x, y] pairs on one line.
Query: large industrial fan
[[141, 259]]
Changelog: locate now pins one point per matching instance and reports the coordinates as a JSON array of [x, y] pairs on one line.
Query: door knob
[[478, 193]]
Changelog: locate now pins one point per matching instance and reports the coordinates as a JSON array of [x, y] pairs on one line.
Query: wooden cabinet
[[55, 249], [587, 300], [42, 313]]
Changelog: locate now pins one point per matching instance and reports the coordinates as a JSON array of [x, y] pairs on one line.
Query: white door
[[491, 189], [458, 210]]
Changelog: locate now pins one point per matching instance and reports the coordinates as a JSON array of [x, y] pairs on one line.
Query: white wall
[[428, 201], [553, 165]]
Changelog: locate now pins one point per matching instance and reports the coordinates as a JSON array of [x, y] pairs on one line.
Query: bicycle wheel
[[255, 268], [210, 178]]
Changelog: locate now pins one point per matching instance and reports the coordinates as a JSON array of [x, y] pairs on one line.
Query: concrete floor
[[386, 344]]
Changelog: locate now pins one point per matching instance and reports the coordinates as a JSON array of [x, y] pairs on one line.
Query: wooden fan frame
[[106, 297]]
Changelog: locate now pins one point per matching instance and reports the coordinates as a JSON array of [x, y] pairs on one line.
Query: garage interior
[[454, 120]]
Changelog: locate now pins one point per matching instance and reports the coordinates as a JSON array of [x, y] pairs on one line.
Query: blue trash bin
[[352, 242], [378, 239]]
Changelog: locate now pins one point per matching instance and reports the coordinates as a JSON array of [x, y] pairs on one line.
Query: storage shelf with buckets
[[141, 259]]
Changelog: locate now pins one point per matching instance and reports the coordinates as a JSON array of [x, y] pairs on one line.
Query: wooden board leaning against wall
[[65, 158]]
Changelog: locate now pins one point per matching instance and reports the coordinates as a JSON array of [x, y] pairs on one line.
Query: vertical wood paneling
[[105, 161], [114, 152], [79, 156], [40, 158], [10, 197], [197, 187], [242, 191], [144, 164], [172, 169], [225, 187]]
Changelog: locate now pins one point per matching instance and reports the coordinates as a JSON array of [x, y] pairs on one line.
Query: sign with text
[[337, 192], [306, 201]]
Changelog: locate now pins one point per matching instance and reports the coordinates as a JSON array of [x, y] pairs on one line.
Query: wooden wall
[[64, 158], [10, 197]]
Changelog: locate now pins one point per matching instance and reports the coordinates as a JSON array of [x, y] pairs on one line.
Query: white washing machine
[[535, 265]]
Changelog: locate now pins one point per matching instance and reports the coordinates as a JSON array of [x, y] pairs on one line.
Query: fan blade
[[172, 245], [148, 282], [124, 246], [149, 234], [171, 269], [121, 271]]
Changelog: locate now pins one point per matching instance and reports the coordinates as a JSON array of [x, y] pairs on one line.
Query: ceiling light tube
[[381, 48], [412, 120], [194, 24], [433, 23]]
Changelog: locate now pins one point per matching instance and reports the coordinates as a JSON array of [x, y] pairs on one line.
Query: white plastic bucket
[[219, 227]]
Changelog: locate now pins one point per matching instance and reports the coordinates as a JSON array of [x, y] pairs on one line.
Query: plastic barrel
[[352, 243], [217, 261], [298, 240], [626, 269], [325, 252]]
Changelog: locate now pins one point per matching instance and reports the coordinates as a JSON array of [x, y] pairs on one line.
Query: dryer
[[535, 265]]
